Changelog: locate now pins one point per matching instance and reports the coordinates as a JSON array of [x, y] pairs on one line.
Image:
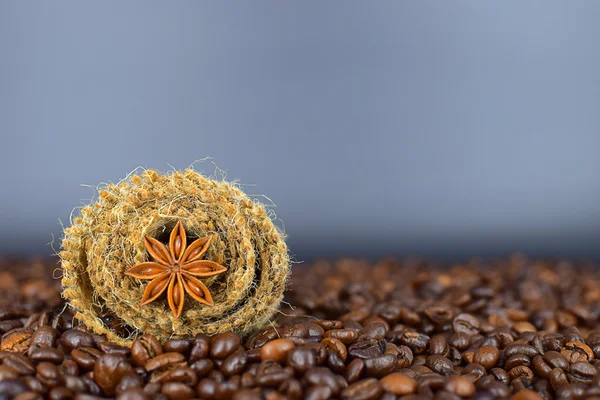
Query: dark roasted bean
[[581, 372], [177, 391], [145, 348], [86, 357], [164, 360], [380, 366], [75, 338], [109, 370], [366, 389], [234, 364], [276, 350], [558, 378], [487, 356], [577, 351], [224, 344], [466, 323], [49, 374], [19, 364], [301, 359], [417, 342], [345, 336]]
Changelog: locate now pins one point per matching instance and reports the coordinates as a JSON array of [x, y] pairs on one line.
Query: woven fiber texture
[[107, 238]]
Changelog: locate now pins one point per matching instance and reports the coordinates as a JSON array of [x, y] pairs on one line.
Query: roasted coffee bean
[[49, 374], [366, 389], [17, 340], [399, 384], [487, 356], [44, 336], [581, 372], [203, 367], [345, 336], [380, 366], [86, 357], [522, 373], [145, 348], [12, 387], [234, 364], [75, 338], [466, 323], [473, 371], [526, 394], [577, 351], [331, 324], [129, 381], [178, 346], [404, 355], [301, 359], [517, 360], [109, 369], [417, 342], [460, 386], [439, 364], [177, 391], [163, 361], [224, 344], [558, 378], [276, 350], [354, 370], [366, 347], [541, 367], [337, 347], [112, 348], [19, 363], [520, 348], [324, 376], [556, 360], [438, 345]]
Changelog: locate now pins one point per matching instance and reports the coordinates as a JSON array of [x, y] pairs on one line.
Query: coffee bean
[[17, 340], [177, 391], [581, 372], [366, 389], [86, 357], [145, 348], [399, 384], [336, 346], [466, 323], [520, 348], [487, 356], [109, 369], [345, 336], [203, 367], [163, 361], [517, 360], [129, 381], [380, 366], [44, 336], [49, 374], [522, 373], [75, 338], [19, 363], [558, 378], [224, 344], [526, 394], [438, 345], [301, 359], [234, 364], [577, 351], [417, 342], [276, 350], [460, 386]]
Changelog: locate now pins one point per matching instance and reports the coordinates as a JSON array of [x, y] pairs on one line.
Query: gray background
[[443, 128]]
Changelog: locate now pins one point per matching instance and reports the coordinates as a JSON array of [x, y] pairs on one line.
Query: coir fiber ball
[[108, 238]]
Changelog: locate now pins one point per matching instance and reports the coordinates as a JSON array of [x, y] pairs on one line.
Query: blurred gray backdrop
[[444, 128]]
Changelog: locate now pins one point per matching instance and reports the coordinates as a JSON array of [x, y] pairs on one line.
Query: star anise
[[176, 269]]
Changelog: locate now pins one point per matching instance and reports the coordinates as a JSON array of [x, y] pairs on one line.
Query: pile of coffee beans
[[349, 329]]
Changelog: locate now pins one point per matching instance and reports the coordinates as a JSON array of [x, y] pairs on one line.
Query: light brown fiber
[[107, 238]]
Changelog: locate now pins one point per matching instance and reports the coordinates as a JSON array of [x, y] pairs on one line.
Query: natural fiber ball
[[108, 238]]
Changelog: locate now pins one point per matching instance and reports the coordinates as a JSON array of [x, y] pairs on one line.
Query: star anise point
[[176, 269]]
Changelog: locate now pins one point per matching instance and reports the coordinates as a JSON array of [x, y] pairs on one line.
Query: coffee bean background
[[350, 329]]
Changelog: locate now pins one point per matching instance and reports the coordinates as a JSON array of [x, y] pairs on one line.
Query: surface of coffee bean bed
[[515, 328]]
